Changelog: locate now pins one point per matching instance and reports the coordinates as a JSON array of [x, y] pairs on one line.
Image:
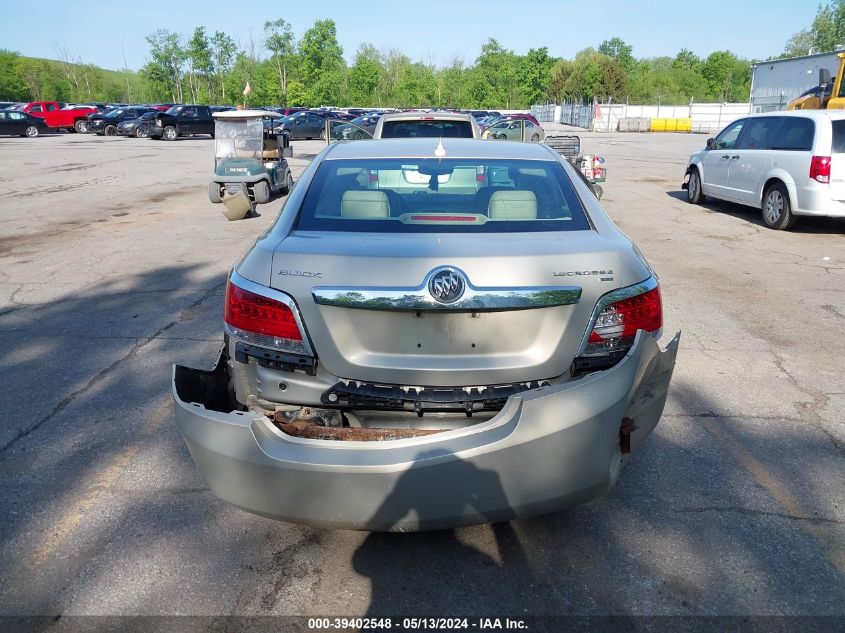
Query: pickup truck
[[183, 120], [73, 120]]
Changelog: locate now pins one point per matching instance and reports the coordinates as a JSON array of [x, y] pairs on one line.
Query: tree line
[[311, 70], [825, 33]]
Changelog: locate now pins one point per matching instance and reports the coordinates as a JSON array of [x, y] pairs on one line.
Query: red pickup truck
[[74, 120]]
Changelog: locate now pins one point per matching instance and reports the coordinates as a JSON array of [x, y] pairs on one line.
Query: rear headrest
[[514, 204], [364, 204]]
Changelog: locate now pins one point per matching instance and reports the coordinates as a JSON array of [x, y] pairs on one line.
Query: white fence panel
[[712, 117]]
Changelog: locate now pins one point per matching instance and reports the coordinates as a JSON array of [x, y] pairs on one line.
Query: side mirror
[[711, 143], [824, 78]]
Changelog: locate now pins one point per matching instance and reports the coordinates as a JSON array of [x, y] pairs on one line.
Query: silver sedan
[[434, 332], [515, 130]]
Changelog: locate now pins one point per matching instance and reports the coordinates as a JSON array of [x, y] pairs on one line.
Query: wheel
[[170, 133], [31, 131], [261, 192], [212, 135], [81, 126], [694, 195], [322, 135], [535, 138], [141, 132], [777, 212], [288, 183], [214, 192], [110, 130], [599, 191]]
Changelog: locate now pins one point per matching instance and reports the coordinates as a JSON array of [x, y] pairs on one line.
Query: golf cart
[[249, 161]]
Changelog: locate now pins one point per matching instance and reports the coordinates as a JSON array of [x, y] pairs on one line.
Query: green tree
[[558, 76], [452, 80], [223, 51], [799, 44], [616, 48], [533, 76], [366, 77], [12, 84], [596, 75], [167, 59], [727, 77], [825, 33], [200, 65], [278, 38], [323, 67], [492, 82]]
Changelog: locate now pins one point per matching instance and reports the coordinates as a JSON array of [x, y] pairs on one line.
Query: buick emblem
[[447, 285]]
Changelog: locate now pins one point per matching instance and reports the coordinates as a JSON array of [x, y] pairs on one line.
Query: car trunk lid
[[465, 344]]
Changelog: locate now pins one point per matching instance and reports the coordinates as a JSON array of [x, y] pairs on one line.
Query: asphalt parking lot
[[112, 268]]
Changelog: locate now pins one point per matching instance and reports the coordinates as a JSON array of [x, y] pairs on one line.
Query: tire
[[110, 130], [211, 135], [288, 183], [535, 138], [694, 195], [81, 126], [777, 210], [170, 133], [214, 192], [141, 132], [31, 131], [599, 191], [261, 192], [322, 135]]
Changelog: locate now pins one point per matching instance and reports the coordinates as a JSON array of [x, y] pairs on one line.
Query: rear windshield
[[441, 196], [839, 137], [430, 129]]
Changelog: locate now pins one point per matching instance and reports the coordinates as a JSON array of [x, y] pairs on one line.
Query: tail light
[[820, 168], [622, 313], [262, 321]]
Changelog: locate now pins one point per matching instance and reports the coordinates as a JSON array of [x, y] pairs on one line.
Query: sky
[[428, 30]]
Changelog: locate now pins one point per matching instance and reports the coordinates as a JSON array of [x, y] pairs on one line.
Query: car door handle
[[725, 157], [735, 157]]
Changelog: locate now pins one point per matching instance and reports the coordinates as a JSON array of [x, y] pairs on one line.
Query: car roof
[[812, 114], [244, 114], [425, 148], [426, 116]]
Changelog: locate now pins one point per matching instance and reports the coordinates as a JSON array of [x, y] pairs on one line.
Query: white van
[[787, 164]]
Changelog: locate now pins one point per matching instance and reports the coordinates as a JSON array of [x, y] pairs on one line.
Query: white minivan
[[786, 163]]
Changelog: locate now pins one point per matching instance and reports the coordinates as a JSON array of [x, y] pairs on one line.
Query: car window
[[36, 108], [728, 138], [758, 133], [838, 137], [441, 196], [430, 129], [796, 134], [51, 107]]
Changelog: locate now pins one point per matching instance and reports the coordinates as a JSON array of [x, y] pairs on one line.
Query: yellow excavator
[[828, 95]]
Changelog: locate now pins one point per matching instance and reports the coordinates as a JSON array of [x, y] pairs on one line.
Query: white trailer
[[777, 82]]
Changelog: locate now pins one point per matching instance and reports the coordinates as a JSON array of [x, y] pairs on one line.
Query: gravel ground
[[112, 268]]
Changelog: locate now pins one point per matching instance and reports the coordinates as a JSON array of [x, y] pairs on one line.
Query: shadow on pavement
[[805, 224]]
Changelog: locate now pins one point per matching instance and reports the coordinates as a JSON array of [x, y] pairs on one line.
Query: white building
[[777, 82]]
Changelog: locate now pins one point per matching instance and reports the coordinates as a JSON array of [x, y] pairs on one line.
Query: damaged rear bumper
[[547, 449]]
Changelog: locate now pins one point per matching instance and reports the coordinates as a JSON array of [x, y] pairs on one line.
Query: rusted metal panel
[[307, 428]]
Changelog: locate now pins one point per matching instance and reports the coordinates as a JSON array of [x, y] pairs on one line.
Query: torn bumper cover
[[547, 449]]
